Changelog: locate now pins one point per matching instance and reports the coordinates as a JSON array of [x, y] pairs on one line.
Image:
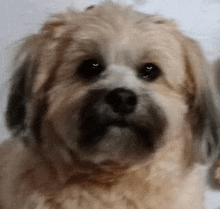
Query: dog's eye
[[90, 68], [149, 71]]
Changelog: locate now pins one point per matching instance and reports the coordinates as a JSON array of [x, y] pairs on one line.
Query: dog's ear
[[203, 99], [212, 101], [35, 68], [214, 174], [25, 64]]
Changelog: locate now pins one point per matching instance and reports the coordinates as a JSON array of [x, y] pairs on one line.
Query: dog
[[108, 109]]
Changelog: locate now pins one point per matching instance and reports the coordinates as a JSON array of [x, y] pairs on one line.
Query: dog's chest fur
[[161, 186], [134, 192]]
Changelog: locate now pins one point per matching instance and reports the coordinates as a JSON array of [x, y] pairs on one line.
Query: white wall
[[199, 19]]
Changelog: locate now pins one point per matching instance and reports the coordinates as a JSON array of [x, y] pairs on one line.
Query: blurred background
[[199, 19]]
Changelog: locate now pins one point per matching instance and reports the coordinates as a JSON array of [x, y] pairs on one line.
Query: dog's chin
[[120, 144], [117, 139]]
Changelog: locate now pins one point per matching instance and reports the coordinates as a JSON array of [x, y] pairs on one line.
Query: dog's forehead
[[131, 38], [119, 36]]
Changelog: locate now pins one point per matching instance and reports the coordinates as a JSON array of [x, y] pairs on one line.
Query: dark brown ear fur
[[201, 98], [18, 111], [16, 108], [211, 100], [214, 109]]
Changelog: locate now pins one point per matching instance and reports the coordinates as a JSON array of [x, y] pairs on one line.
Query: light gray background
[[199, 19]]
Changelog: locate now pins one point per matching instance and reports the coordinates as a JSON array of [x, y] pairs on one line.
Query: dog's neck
[[153, 185]]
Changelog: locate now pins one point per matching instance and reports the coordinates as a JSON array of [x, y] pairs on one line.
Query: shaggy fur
[[107, 110], [214, 78]]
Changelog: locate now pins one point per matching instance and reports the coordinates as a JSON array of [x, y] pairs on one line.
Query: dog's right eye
[[90, 68], [149, 71]]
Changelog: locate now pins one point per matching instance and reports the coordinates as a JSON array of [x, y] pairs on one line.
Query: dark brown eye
[[149, 71], [90, 68]]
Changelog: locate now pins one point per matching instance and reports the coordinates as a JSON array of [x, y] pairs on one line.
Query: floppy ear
[[203, 99], [35, 69], [212, 101], [18, 107], [214, 80]]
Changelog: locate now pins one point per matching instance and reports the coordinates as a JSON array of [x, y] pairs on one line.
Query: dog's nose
[[122, 100]]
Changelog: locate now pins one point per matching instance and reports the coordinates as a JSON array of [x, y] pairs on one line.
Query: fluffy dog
[[107, 110]]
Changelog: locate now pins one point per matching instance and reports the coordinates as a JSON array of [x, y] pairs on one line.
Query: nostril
[[113, 98], [122, 100], [132, 100]]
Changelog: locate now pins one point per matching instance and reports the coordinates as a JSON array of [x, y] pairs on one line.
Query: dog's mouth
[[123, 141], [119, 135], [118, 132], [120, 122]]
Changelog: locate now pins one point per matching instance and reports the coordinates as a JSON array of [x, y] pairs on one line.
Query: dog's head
[[109, 85]]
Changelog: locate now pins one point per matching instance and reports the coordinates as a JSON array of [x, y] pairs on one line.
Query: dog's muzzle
[[115, 115]]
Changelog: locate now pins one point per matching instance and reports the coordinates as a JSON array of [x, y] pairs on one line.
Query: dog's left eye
[[149, 71], [90, 68]]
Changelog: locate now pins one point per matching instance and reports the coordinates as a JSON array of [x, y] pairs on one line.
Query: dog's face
[[109, 84]]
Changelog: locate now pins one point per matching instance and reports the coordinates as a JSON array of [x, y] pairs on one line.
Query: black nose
[[122, 100]]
